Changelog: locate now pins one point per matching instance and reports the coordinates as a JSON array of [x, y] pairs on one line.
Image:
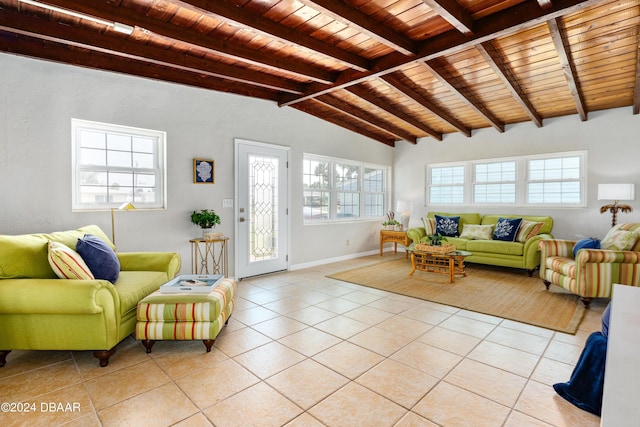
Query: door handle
[[241, 219]]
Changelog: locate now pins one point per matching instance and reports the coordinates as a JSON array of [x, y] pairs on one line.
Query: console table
[[394, 237], [209, 256]]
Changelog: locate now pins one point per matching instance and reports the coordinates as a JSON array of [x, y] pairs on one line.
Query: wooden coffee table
[[451, 263]]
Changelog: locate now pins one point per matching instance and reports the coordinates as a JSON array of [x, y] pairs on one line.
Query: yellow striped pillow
[[67, 263]]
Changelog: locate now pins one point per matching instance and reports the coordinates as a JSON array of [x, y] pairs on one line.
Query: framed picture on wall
[[203, 171]]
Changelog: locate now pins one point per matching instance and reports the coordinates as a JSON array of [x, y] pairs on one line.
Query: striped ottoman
[[185, 316]]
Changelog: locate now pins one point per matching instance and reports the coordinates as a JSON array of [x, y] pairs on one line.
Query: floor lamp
[[615, 192], [126, 206]]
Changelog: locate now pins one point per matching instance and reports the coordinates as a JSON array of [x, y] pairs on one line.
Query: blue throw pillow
[[589, 243], [447, 225], [99, 257], [507, 229]]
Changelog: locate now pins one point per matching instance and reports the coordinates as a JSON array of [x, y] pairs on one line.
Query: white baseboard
[[341, 258], [294, 267]]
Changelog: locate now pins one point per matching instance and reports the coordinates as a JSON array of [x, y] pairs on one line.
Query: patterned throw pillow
[[506, 229], [619, 240], [100, 258], [476, 231], [528, 229], [429, 226], [447, 225], [67, 263]]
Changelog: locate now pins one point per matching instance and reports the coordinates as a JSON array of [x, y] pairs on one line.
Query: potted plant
[[435, 239], [205, 219], [390, 223]]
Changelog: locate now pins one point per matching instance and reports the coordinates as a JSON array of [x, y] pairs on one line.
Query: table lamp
[[615, 192], [126, 206], [405, 213]]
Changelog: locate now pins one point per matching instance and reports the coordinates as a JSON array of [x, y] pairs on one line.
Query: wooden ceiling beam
[[464, 94], [559, 37], [214, 45], [453, 13], [402, 87], [238, 16], [56, 52], [366, 117], [495, 61], [369, 96], [364, 131], [519, 17], [121, 47], [354, 18]]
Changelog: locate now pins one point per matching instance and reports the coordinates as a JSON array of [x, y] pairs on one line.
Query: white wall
[[38, 100], [610, 137]]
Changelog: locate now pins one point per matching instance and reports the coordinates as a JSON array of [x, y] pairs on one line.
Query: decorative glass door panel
[[263, 207]]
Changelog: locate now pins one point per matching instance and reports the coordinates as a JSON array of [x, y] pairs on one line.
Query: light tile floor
[[304, 350]]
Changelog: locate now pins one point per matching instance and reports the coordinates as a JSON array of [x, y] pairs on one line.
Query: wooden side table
[[209, 256], [395, 237]]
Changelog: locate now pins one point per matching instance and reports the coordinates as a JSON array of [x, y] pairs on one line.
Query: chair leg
[[586, 301], [3, 357], [546, 283], [531, 271], [103, 356], [208, 344]]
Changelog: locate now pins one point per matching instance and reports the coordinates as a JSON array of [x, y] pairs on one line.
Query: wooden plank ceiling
[[388, 69]]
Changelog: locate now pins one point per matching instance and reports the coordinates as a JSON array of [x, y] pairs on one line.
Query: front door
[[262, 197]]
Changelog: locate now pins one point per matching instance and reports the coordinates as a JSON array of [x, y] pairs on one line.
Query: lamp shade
[[402, 206], [616, 191]]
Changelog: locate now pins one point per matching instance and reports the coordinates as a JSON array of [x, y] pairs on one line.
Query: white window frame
[[333, 190], [522, 180], [158, 169]]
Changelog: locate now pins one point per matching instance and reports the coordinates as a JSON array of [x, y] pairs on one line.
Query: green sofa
[[39, 311], [525, 255]]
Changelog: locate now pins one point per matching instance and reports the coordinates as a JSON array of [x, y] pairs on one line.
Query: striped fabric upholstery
[[185, 316], [594, 271]]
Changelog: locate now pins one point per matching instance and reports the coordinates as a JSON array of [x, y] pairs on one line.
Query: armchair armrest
[[553, 247], [168, 262], [598, 269], [556, 247]]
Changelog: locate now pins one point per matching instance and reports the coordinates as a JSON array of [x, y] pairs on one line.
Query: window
[[556, 179], [116, 164], [446, 185], [337, 189], [495, 182]]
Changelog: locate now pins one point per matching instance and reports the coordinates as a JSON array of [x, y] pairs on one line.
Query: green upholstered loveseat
[[39, 311], [525, 255]]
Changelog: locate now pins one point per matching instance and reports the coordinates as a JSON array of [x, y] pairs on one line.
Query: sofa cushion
[[507, 229], [476, 232], [619, 240], [429, 226], [528, 229], [133, 286], [495, 247], [67, 263], [100, 258], [589, 243], [459, 242], [26, 255], [447, 225], [547, 221]]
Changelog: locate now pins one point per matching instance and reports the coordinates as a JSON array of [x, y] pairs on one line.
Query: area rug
[[506, 293]]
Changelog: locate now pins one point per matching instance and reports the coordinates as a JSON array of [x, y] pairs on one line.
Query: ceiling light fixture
[[117, 26]]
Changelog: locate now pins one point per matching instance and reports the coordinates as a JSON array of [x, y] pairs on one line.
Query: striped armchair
[[593, 271]]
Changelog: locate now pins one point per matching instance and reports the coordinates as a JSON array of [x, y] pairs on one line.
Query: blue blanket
[[585, 386]]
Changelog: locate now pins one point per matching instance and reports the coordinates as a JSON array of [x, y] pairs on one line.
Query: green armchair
[[592, 273], [39, 311]]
